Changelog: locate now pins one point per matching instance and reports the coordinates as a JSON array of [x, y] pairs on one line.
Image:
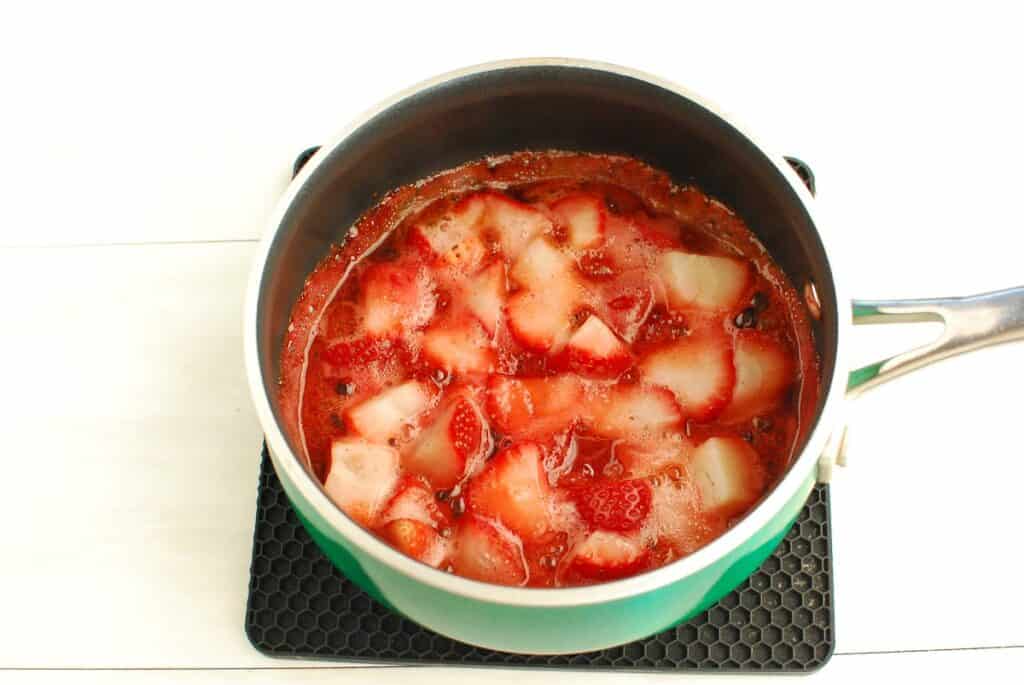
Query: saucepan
[[584, 106]]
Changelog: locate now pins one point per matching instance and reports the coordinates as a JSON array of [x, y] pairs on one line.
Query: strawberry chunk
[[594, 351], [540, 314], [485, 296], [413, 501], [453, 239], [676, 517], [703, 281], [487, 552], [635, 411], [513, 489], [728, 474], [625, 302], [459, 345], [698, 369], [512, 223], [416, 539], [524, 406], [584, 218], [455, 444], [396, 297], [361, 478], [627, 246], [615, 505], [667, 456], [764, 371], [604, 555], [383, 417]]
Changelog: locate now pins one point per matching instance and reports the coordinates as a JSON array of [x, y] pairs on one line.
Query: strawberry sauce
[[548, 369]]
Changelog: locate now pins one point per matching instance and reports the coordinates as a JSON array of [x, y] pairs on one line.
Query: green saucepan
[[568, 104]]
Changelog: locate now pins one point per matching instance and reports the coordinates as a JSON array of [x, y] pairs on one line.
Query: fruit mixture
[[548, 369]]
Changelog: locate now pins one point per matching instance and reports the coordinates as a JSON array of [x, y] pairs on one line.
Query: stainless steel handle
[[970, 324]]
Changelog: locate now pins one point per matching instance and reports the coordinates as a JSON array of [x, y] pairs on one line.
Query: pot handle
[[970, 322]]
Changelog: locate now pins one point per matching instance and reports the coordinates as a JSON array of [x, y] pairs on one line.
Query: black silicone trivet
[[779, 619]]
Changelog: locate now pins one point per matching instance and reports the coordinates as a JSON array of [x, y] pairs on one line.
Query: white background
[[142, 150]]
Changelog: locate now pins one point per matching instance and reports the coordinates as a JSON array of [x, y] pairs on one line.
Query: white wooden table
[[142, 151]]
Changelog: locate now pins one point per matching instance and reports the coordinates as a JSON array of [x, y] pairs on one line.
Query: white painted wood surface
[[143, 151]]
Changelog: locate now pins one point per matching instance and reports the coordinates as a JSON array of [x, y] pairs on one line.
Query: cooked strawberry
[[703, 281], [417, 539], [459, 345], [594, 351], [485, 296], [361, 478], [520, 406], [583, 217], [396, 297], [360, 351], [697, 369], [676, 517], [412, 500], [728, 474], [627, 246], [382, 417], [453, 238], [513, 489], [485, 551], [539, 315], [764, 371], [454, 445], [513, 223], [604, 555], [667, 456], [615, 505], [634, 411]]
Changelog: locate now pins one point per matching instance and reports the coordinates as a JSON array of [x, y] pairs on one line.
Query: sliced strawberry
[[523, 406], [764, 371], [416, 539], [697, 369], [453, 238], [513, 489], [361, 478], [625, 302], [604, 555], [454, 445], [728, 474], [703, 281], [627, 246], [512, 223], [396, 297], [382, 417], [594, 351], [584, 217], [669, 456], [485, 551], [412, 500], [459, 345], [615, 505], [676, 517], [485, 296], [634, 411], [541, 265], [539, 315]]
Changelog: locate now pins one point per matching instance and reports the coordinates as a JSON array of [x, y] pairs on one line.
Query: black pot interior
[[540, 107]]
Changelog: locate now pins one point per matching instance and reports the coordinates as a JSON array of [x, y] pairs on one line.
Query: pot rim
[[292, 468]]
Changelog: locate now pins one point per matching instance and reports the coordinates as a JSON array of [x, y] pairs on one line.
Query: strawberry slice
[[512, 223], [676, 517], [594, 351], [703, 281], [415, 539], [361, 478], [513, 489], [539, 315], [604, 555], [698, 370], [626, 245], [486, 551], [382, 417], [615, 505], [485, 296], [459, 345], [625, 302], [728, 474], [453, 238], [528, 406], [764, 371], [584, 217], [455, 444], [396, 297], [413, 501], [634, 411], [667, 456]]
